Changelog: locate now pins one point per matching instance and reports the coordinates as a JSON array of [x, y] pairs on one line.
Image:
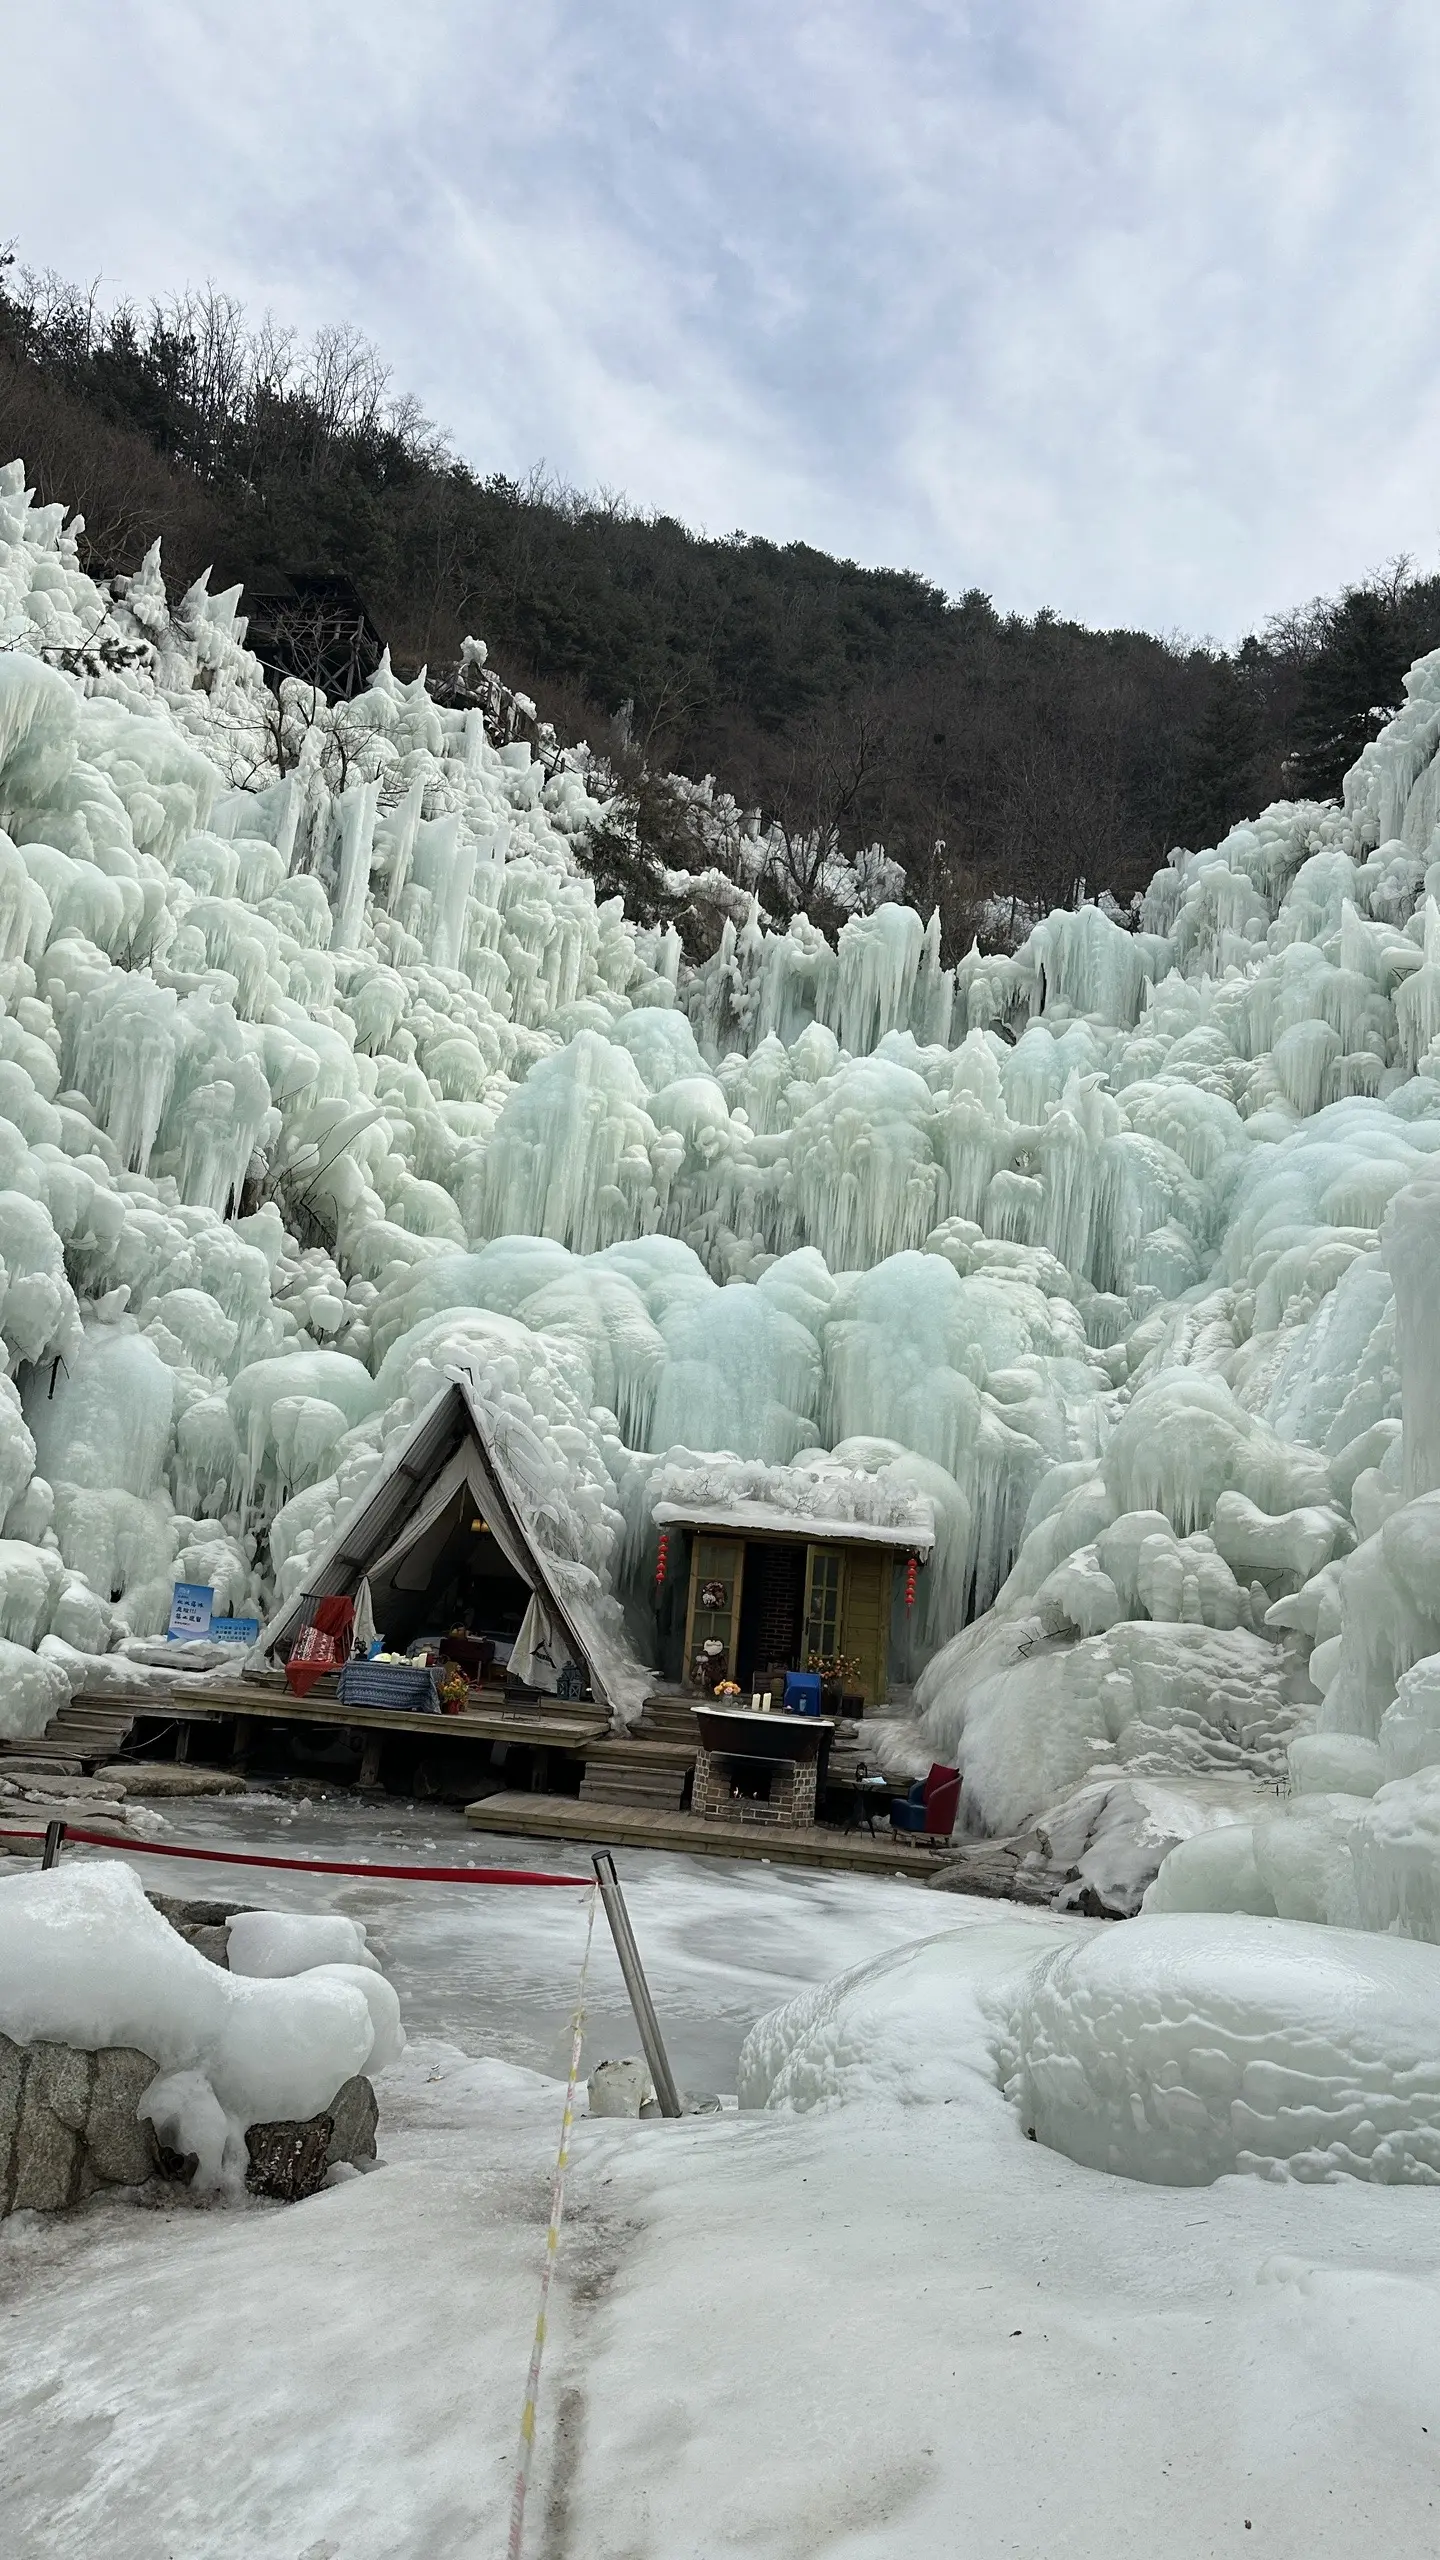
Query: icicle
[[357, 811]]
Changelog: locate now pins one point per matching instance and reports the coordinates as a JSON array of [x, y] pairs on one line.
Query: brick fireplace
[[740, 1787]]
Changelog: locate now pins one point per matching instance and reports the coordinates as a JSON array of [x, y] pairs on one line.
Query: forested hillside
[[997, 757]]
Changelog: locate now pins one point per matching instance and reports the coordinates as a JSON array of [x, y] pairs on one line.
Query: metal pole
[[54, 1834], [635, 1982]]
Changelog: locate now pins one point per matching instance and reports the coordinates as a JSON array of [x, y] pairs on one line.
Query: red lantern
[[662, 1558], [912, 1568]]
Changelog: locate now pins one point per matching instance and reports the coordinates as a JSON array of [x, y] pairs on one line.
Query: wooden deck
[[500, 1723], [636, 1827]]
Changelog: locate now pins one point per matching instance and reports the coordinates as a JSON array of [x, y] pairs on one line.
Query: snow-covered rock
[[86, 1961]]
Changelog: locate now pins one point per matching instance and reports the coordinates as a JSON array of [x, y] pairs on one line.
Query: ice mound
[[1030, 1715], [1396, 1855], [913, 2026], [1176, 2049], [1367, 1861], [1181, 2048], [270, 1946], [86, 1960]]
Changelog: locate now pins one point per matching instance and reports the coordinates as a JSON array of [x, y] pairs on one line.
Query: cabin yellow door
[[717, 1570], [865, 1620]]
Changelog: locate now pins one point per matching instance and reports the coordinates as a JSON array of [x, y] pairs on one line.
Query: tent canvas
[[419, 1538], [445, 1455]]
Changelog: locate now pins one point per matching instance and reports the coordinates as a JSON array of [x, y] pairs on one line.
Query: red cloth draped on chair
[[322, 1646], [942, 1800]]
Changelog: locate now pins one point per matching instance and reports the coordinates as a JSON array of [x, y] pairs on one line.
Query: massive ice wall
[[322, 1070]]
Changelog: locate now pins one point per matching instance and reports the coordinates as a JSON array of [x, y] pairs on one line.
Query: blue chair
[[802, 1693]]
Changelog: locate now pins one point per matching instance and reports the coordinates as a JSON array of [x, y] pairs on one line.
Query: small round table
[[870, 1797]]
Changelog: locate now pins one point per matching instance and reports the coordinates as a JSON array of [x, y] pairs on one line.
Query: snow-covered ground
[[873, 2327]]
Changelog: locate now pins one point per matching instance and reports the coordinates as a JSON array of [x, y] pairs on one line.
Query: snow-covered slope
[[322, 1071]]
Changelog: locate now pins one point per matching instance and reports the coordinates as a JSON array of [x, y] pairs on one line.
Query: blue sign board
[[234, 1630], [191, 1610]]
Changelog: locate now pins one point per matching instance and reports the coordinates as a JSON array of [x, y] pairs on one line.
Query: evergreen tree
[[1354, 680], [1217, 784]]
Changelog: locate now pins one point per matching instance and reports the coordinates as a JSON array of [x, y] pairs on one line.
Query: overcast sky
[[1128, 307]]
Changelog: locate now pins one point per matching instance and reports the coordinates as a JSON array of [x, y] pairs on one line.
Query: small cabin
[[767, 1591]]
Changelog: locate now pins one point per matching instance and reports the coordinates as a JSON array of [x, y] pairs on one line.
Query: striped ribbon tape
[[552, 2244]]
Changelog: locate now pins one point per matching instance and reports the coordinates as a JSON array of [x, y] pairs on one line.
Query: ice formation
[[1177, 2050], [324, 1073], [86, 1960], [269, 1945], [911, 2027]]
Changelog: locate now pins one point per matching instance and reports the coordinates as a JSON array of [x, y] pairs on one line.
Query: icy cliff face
[[322, 1072]]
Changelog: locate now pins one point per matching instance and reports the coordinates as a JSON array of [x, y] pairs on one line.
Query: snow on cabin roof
[[816, 1497], [914, 1538]]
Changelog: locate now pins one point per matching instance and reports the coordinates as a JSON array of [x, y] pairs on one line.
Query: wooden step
[[668, 1720], [643, 1751], [661, 1793], [82, 1712], [633, 1769], [77, 1733]]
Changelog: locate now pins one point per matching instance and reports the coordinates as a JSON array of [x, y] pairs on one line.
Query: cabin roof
[[766, 1519]]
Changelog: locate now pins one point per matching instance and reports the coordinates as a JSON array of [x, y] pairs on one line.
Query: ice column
[[403, 828], [446, 867], [358, 808], [1410, 1241]]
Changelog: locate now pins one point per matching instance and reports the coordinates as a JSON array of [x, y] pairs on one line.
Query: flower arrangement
[[835, 1669], [454, 1689]]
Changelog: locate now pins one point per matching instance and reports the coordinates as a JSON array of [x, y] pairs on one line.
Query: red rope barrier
[[304, 1866]]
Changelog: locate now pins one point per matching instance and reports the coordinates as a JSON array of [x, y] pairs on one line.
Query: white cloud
[[1118, 308]]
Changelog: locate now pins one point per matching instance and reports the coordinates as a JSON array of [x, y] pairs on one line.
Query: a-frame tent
[[447, 1462]]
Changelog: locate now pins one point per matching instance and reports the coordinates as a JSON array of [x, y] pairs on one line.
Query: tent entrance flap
[[458, 1483], [451, 1577]]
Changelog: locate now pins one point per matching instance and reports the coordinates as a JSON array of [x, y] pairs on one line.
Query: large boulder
[[68, 2124], [69, 2121]]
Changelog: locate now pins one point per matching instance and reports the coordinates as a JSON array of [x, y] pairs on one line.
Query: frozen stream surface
[[494, 1970]]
